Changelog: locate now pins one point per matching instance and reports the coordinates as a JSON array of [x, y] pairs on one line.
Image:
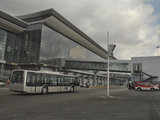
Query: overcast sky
[[134, 25]]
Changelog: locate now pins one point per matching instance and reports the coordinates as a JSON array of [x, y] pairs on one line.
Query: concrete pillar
[[100, 81], [95, 82], [103, 81], [93, 77], [2, 69]]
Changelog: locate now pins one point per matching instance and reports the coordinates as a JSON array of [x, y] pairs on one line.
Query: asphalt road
[[87, 104]]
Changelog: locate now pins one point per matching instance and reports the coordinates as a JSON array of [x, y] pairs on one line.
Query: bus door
[[59, 83], [38, 83], [53, 83], [34, 83], [31, 83], [17, 81]]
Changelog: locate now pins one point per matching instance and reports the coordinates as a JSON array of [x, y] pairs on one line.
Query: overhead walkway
[[121, 66], [56, 22]]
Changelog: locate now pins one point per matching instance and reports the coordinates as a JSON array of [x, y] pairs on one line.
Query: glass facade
[[13, 48], [3, 39], [32, 46], [40, 43], [23, 47], [55, 45]]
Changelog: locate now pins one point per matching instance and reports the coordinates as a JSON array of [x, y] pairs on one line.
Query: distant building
[[146, 68]]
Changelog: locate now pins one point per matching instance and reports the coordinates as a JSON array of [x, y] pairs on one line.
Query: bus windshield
[[17, 77]]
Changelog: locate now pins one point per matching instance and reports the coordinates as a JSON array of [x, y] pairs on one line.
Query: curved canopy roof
[[11, 23], [58, 23], [55, 21]]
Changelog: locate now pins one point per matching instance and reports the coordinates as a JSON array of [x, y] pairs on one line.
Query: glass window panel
[[39, 79], [54, 79], [44, 78], [60, 80], [55, 45], [31, 79], [3, 38], [17, 77]]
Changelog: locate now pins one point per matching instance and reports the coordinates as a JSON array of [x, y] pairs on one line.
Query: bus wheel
[[152, 89], [44, 90]]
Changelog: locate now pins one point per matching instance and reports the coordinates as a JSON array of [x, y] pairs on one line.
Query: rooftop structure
[[53, 20]]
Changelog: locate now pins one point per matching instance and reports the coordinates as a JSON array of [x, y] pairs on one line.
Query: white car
[[2, 84], [146, 86]]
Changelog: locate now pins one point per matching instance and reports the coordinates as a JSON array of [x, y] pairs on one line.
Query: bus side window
[[48, 79], [28, 82], [53, 80], [72, 80], [56, 80], [67, 80], [62, 80], [43, 78], [59, 80], [34, 79], [31, 79], [19, 78], [38, 79]]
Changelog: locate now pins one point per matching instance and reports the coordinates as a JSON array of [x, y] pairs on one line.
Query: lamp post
[[108, 92]]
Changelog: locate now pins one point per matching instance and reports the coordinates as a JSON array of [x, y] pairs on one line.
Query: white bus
[[27, 81]]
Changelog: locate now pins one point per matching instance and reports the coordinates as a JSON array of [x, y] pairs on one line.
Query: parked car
[[139, 86], [2, 84]]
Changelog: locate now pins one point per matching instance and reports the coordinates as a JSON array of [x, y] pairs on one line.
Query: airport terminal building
[[47, 37], [146, 68], [42, 36]]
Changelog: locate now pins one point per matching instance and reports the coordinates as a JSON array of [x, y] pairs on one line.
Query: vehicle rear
[[17, 81]]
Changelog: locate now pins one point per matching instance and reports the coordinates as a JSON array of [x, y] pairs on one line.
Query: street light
[[108, 93]]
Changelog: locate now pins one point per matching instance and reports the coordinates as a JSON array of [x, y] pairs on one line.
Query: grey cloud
[[130, 22]]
